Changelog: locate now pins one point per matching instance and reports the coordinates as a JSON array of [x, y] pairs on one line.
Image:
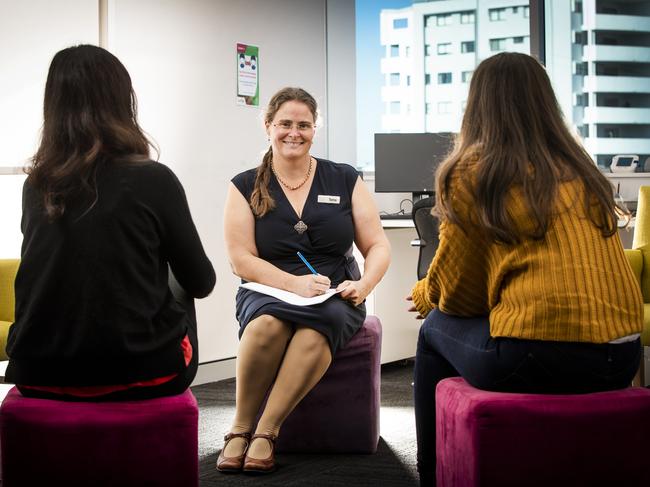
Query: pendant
[[300, 227]]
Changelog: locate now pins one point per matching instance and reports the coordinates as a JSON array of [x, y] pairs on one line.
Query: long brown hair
[[89, 118], [514, 125], [261, 200]]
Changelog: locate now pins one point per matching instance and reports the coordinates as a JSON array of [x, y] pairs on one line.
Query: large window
[[601, 74], [447, 39]]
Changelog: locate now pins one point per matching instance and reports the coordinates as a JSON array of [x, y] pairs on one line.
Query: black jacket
[[93, 306]]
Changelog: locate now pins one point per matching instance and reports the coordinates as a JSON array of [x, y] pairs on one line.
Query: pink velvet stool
[[502, 439], [341, 413], [128, 443]]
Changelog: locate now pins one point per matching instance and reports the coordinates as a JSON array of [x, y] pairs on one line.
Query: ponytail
[[261, 200]]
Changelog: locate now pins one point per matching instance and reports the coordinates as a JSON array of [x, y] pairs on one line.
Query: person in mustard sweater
[[529, 290]]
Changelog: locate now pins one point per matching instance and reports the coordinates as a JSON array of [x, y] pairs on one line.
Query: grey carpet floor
[[392, 465]]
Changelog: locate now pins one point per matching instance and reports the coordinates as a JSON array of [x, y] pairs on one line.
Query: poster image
[[248, 81]]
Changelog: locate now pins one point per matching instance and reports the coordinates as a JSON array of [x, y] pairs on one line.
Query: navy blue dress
[[326, 244]]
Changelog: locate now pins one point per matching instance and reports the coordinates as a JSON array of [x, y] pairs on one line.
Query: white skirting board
[[215, 371]]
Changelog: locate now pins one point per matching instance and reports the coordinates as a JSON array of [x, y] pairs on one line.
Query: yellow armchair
[[8, 269], [639, 257]]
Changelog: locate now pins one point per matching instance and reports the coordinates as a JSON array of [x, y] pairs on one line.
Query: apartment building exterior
[[431, 50], [598, 56], [611, 77]]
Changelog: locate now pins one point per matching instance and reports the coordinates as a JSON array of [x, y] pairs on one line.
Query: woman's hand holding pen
[[310, 285], [354, 291]]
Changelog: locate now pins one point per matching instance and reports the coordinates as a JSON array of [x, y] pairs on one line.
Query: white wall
[[341, 82], [181, 56], [31, 32]]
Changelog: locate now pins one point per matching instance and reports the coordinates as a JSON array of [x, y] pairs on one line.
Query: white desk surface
[[405, 223]]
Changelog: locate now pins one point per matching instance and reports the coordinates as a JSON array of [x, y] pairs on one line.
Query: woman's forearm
[[254, 269], [376, 263]]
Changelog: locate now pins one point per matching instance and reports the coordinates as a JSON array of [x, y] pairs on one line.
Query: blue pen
[[313, 271]]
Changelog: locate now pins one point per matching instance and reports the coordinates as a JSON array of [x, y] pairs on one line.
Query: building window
[[526, 12], [581, 37], [515, 10], [518, 40], [466, 76], [400, 23], [497, 44], [444, 78], [394, 108], [427, 79], [444, 107], [581, 99], [443, 20], [427, 50], [394, 79], [581, 68], [467, 46], [407, 51], [444, 48], [468, 17], [408, 80], [497, 14], [394, 50]]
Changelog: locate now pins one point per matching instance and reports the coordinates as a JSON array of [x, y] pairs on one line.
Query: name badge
[[326, 198]]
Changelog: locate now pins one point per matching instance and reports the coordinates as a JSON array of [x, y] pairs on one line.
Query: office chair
[[426, 225]]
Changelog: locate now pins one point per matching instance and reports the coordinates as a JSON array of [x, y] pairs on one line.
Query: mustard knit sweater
[[573, 285]]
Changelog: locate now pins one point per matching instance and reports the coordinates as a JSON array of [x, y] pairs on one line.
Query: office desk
[[387, 301], [399, 223]]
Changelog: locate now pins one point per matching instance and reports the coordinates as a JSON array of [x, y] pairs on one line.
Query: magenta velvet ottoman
[[129, 443], [502, 439], [341, 413]]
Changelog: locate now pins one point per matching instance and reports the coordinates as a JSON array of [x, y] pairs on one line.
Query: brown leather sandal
[[264, 465], [233, 464]]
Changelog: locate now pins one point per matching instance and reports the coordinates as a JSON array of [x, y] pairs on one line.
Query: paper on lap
[[289, 297]]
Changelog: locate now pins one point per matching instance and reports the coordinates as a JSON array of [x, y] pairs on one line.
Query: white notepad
[[289, 297]]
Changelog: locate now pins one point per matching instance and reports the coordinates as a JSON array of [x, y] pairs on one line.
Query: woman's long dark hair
[[89, 119], [514, 125]]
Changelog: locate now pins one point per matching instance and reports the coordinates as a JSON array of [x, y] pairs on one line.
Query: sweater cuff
[[420, 299]]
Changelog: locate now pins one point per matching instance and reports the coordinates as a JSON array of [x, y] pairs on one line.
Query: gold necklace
[[289, 187]]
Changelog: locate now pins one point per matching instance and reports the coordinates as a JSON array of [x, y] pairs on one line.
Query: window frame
[[445, 78], [446, 50], [397, 23], [464, 45]]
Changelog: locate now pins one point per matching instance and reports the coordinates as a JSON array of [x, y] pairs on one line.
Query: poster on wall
[[248, 81]]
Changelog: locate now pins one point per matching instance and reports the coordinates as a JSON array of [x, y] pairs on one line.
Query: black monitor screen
[[406, 163]]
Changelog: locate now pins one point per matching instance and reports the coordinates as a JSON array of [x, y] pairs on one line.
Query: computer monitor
[[406, 163]]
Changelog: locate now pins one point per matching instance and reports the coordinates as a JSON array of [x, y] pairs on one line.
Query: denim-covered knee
[[423, 346]]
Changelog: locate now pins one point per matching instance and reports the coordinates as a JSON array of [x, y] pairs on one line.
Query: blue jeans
[[449, 346]]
